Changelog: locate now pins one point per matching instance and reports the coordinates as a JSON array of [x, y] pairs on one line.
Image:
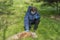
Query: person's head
[[33, 10]]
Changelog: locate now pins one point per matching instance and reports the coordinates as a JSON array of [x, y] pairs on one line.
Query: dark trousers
[[35, 23]]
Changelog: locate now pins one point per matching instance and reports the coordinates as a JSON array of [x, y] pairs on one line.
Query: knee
[[37, 21]]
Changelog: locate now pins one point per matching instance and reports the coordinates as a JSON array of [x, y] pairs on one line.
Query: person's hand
[[26, 30], [36, 17]]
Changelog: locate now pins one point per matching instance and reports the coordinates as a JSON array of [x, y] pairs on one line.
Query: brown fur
[[21, 35], [25, 34]]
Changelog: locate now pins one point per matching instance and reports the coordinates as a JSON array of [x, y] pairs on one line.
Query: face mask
[[32, 12]]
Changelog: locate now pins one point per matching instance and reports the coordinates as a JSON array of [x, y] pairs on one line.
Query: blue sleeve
[[38, 16], [26, 22]]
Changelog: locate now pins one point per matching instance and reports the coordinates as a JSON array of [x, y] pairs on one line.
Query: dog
[[22, 35]]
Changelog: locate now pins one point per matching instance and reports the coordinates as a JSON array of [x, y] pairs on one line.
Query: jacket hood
[[28, 11]]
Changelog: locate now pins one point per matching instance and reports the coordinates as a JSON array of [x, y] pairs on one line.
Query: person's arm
[[37, 16], [26, 22]]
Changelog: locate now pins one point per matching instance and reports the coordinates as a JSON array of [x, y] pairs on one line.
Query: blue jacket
[[30, 16]]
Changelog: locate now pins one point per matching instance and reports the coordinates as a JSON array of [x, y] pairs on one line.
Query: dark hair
[[33, 9]]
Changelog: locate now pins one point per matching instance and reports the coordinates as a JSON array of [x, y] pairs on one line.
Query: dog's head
[[25, 34], [22, 35]]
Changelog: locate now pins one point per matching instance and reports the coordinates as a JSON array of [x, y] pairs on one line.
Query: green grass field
[[49, 29]]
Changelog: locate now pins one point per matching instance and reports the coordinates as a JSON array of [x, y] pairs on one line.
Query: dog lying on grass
[[22, 35]]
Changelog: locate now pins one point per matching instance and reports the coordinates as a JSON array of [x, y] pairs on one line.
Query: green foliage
[[4, 6], [12, 14], [45, 9]]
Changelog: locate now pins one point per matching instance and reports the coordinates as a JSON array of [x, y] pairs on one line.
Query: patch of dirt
[[57, 17]]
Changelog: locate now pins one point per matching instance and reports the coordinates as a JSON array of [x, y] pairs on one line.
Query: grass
[[49, 29]]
